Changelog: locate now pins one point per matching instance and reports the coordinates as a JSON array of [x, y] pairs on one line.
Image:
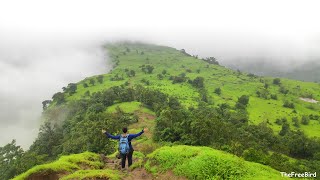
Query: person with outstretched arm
[[125, 148]]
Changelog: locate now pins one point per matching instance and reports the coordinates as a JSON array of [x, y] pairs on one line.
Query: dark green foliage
[[132, 73], [288, 104], [211, 60], [45, 104], [92, 81], [305, 120], [87, 94], [100, 79], [71, 89], [217, 91], [178, 79], [274, 96], [283, 90], [285, 129], [242, 102], [263, 93], [145, 81], [255, 155], [147, 68], [116, 77], [164, 72], [58, 98], [266, 86], [296, 122], [198, 82], [252, 75], [277, 81], [160, 76], [85, 85], [244, 99]]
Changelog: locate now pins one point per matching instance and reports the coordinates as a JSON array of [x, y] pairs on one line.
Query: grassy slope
[[76, 166], [207, 163], [232, 84]]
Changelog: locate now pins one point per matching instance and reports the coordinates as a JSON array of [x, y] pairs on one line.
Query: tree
[[244, 99], [295, 122], [85, 85], [164, 72], [147, 69], [218, 91], [283, 90], [8, 157], [285, 129], [100, 79], [45, 104], [48, 141], [58, 98], [160, 76], [305, 120], [211, 60], [92, 82], [198, 82], [288, 104], [276, 81], [132, 73], [72, 88]]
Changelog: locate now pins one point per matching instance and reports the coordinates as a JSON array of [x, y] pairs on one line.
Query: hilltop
[[187, 103]]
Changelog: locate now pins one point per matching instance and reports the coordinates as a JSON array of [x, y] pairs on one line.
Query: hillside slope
[[183, 100], [184, 161], [171, 69]]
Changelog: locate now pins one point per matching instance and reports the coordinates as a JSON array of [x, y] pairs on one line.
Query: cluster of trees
[[211, 60], [116, 77], [147, 68], [130, 73], [178, 79], [76, 127], [226, 128]]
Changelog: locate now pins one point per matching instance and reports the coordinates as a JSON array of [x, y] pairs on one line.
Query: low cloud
[[33, 72]]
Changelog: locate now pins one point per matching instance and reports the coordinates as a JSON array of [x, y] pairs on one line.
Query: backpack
[[124, 144]]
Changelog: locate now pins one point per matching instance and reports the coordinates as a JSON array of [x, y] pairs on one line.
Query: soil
[[308, 100]]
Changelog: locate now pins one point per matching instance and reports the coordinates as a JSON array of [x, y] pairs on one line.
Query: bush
[[288, 104], [305, 120], [276, 81], [218, 91]]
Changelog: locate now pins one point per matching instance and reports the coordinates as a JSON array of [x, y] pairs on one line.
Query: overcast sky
[[44, 45]]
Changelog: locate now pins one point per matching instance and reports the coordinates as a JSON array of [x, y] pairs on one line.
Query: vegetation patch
[[93, 174], [207, 163], [65, 164]]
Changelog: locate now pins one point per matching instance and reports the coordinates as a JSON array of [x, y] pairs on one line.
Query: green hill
[[186, 103], [233, 84]]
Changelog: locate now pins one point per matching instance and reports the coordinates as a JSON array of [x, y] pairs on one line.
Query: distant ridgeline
[[308, 71], [271, 121]]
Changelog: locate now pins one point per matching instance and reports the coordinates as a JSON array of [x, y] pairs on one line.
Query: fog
[[46, 45]]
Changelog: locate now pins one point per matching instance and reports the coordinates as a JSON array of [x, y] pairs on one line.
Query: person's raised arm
[[109, 135], [138, 134]]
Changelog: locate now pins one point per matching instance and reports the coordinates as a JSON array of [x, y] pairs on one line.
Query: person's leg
[[130, 158], [123, 160]]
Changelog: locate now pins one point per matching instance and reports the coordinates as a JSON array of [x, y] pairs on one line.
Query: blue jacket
[[130, 137]]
